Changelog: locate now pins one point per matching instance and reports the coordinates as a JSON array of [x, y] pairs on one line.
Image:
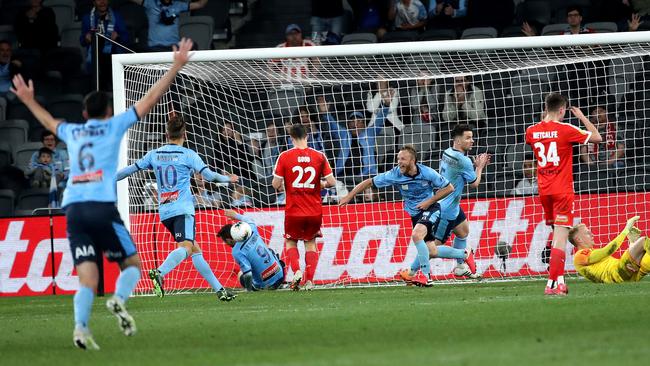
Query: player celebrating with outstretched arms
[[416, 183], [173, 166], [299, 171], [552, 142], [93, 222]]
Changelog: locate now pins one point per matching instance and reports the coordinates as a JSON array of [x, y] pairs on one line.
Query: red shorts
[[302, 227], [558, 209]]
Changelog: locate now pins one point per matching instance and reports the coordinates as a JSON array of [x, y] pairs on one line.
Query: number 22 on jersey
[[545, 157], [308, 182]]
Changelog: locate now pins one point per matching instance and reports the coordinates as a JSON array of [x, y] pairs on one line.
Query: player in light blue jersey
[[416, 183], [260, 267], [173, 166], [93, 222], [459, 170]]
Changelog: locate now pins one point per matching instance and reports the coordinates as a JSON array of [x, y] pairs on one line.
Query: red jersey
[[302, 170], [552, 144]]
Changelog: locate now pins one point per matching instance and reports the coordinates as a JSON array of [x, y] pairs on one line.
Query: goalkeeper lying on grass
[[598, 265]]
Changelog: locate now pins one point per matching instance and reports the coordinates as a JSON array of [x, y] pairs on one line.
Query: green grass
[[477, 324]]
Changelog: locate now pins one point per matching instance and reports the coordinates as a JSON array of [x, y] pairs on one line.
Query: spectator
[[314, 136], [447, 13], [573, 19], [59, 156], [203, 198], [294, 67], [36, 27], [267, 152], [371, 16], [640, 6], [375, 100], [240, 197], [408, 15], [110, 24], [464, 103], [423, 100], [40, 173], [232, 154], [611, 151], [528, 184], [163, 21], [8, 67], [326, 16]]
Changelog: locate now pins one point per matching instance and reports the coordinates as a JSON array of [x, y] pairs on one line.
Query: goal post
[[361, 103]]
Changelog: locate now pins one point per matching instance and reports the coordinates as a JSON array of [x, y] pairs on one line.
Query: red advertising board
[[361, 243]]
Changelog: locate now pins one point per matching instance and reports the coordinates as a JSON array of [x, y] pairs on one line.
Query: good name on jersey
[[304, 159], [167, 158], [545, 135], [88, 131], [91, 177], [168, 197]]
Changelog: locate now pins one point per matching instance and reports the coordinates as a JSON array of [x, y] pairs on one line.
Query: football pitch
[[508, 323]]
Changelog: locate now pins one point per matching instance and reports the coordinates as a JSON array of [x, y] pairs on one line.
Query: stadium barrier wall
[[371, 249]]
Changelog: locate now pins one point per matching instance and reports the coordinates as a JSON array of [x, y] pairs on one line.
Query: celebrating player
[[173, 166], [299, 171], [416, 183], [552, 142], [93, 222], [597, 265], [459, 170], [260, 267]]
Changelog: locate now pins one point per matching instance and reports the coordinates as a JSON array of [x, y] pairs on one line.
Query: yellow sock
[[646, 246]]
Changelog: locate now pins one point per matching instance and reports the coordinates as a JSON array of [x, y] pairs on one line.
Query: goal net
[[361, 103]]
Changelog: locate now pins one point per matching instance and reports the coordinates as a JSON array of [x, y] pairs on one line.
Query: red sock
[[294, 259], [556, 264], [311, 260]]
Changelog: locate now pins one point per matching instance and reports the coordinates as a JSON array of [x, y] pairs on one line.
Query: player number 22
[[547, 157], [298, 183]]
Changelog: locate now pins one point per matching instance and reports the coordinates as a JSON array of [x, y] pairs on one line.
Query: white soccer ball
[[241, 231]]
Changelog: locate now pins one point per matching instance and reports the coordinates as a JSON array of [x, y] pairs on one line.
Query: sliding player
[[416, 184], [552, 142], [299, 171], [597, 265], [260, 267], [173, 166]]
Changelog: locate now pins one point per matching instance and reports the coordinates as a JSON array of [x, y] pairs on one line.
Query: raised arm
[[125, 172], [598, 255], [196, 5], [595, 135], [25, 92], [211, 176], [181, 56]]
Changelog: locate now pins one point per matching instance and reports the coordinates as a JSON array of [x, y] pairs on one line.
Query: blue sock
[[126, 282], [173, 259], [83, 304], [423, 257], [460, 243], [204, 269], [445, 251], [415, 265]]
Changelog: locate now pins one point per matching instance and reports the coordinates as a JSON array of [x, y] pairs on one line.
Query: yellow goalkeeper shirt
[[598, 265]]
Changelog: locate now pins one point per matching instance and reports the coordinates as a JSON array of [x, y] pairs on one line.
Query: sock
[[415, 265], [445, 251], [644, 268], [83, 304], [126, 282], [556, 264], [174, 258], [293, 259], [204, 269], [550, 283], [311, 260], [423, 257], [460, 243]]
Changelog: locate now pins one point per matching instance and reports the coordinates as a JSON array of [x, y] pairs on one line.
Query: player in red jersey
[[552, 142], [299, 171]]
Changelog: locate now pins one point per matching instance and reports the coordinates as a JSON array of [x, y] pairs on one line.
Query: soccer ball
[[240, 231]]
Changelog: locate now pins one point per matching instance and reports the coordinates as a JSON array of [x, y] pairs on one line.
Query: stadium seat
[[3, 109], [14, 131], [400, 36], [7, 33], [23, 154], [515, 156], [512, 31], [199, 29], [6, 154], [70, 35], [538, 12], [284, 103], [385, 147], [64, 11], [33, 198], [603, 27], [219, 11], [554, 29], [423, 137], [68, 107], [438, 35], [49, 85], [7, 202], [359, 38], [480, 32]]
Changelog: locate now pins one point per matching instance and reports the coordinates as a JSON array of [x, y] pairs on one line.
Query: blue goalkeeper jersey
[[254, 256], [173, 166], [414, 189], [459, 170], [93, 148]]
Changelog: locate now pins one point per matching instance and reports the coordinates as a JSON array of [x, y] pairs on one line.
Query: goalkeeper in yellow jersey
[[598, 265]]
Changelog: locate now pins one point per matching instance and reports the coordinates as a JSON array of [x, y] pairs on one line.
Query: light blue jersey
[[173, 166], [414, 189], [252, 255], [458, 169], [93, 148]]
